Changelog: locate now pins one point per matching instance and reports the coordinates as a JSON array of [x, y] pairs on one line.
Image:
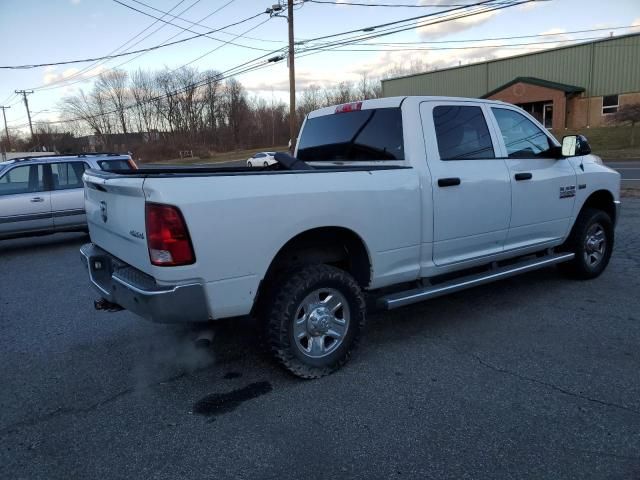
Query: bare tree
[[113, 85], [629, 114]]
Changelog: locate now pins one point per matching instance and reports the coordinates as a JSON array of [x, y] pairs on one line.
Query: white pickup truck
[[396, 199]]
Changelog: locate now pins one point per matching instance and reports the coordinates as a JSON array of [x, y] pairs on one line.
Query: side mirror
[[575, 145]]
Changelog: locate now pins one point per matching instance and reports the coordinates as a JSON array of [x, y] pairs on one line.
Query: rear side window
[[67, 175], [361, 135], [25, 179], [462, 133], [114, 165], [522, 137]]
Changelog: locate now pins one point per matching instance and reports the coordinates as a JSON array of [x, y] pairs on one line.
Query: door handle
[[37, 199], [448, 182], [523, 176]]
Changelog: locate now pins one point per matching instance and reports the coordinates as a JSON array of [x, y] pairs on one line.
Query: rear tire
[[265, 164], [592, 241], [314, 320]]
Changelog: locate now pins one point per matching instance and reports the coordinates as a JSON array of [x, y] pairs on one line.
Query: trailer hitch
[[107, 306]]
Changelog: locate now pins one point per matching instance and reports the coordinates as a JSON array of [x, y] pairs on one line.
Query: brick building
[[573, 87]]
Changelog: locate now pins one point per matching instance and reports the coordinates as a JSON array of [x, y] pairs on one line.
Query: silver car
[[42, 195]]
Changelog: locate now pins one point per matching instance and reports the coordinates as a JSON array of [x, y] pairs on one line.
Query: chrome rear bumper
[[120, 283]]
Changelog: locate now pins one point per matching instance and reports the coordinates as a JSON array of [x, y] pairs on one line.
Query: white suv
[[42, 195]]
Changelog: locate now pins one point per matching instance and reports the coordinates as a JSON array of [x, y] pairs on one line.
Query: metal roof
[[537, 81], [604, 66]]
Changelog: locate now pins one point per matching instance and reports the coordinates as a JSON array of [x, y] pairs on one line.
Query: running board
[[400, 299]]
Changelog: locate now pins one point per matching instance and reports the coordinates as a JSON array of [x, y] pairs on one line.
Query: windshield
[[362, 135]]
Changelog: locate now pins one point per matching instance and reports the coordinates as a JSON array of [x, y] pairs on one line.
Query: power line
[[429, 49], [133, 52], [164, 43], [372, 32], [251, 65], [500, 38], [96, 64], [397, 5], [199, 23]]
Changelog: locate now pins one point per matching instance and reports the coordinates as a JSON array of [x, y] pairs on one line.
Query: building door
[[471, 187], [547, 116]]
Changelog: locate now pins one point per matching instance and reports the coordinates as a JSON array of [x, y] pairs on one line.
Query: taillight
[[167, 236], [349, 107]]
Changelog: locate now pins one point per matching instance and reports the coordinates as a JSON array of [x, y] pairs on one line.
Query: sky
[[46, 31]]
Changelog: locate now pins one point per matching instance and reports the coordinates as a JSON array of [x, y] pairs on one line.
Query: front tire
[[592, 241], [315, 320], [249, 164]]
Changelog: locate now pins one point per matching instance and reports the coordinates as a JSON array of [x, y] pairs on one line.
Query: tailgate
[[115, 206]]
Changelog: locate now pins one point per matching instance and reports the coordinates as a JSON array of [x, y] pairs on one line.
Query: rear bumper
[[138, 292]]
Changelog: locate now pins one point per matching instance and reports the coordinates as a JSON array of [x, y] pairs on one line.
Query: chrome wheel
[[595, 245], [321, 322]]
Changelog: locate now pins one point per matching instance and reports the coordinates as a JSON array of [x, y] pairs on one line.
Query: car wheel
[[314, 320], [265, 164], [591, 240], [249, 164]]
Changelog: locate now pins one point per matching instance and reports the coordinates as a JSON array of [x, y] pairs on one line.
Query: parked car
[[42, 195], [262, 159], [402, 199]]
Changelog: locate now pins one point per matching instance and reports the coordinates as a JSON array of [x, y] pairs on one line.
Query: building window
[[609, 104]]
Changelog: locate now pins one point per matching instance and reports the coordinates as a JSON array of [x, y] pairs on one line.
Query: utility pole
[[24, 94], [6, 130], [292, 79]]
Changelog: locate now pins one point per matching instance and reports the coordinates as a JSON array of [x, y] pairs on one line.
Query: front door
[[471, 188], [543, 185], [25, 206]]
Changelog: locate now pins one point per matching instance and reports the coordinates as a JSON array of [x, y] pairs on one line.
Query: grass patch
[[225, 156], [611, 143]]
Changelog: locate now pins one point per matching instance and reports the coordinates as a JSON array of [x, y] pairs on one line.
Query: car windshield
[[374, 134]]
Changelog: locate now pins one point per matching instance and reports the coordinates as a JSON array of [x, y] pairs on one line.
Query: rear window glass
[[114, 165], [462, 133], [361, 135]]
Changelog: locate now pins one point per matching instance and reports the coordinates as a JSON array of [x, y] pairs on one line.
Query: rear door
[[543, 185], [67, 194], [25, 203], [471, 188]]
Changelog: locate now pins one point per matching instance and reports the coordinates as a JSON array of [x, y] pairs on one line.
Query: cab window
[[462, 133], [24, 179], [522, 137], [67, 175]]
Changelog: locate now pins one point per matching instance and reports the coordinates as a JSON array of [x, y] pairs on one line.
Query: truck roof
[[393, 102]]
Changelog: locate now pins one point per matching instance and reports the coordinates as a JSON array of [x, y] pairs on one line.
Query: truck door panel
[[471, 187]]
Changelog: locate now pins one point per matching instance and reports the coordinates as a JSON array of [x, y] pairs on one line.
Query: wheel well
[[602, 200], [335, 246]]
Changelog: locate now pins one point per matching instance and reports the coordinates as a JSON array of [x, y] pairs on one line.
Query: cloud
[[52, 75], [636, 22], [455, 26]]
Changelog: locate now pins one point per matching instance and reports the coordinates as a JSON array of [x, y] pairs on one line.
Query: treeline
[[156, 114]]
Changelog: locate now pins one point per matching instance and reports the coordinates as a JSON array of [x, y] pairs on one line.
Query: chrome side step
[[400, 299]]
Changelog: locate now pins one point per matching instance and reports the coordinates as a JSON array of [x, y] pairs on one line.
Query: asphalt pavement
[[630, 171], [534, 377]]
